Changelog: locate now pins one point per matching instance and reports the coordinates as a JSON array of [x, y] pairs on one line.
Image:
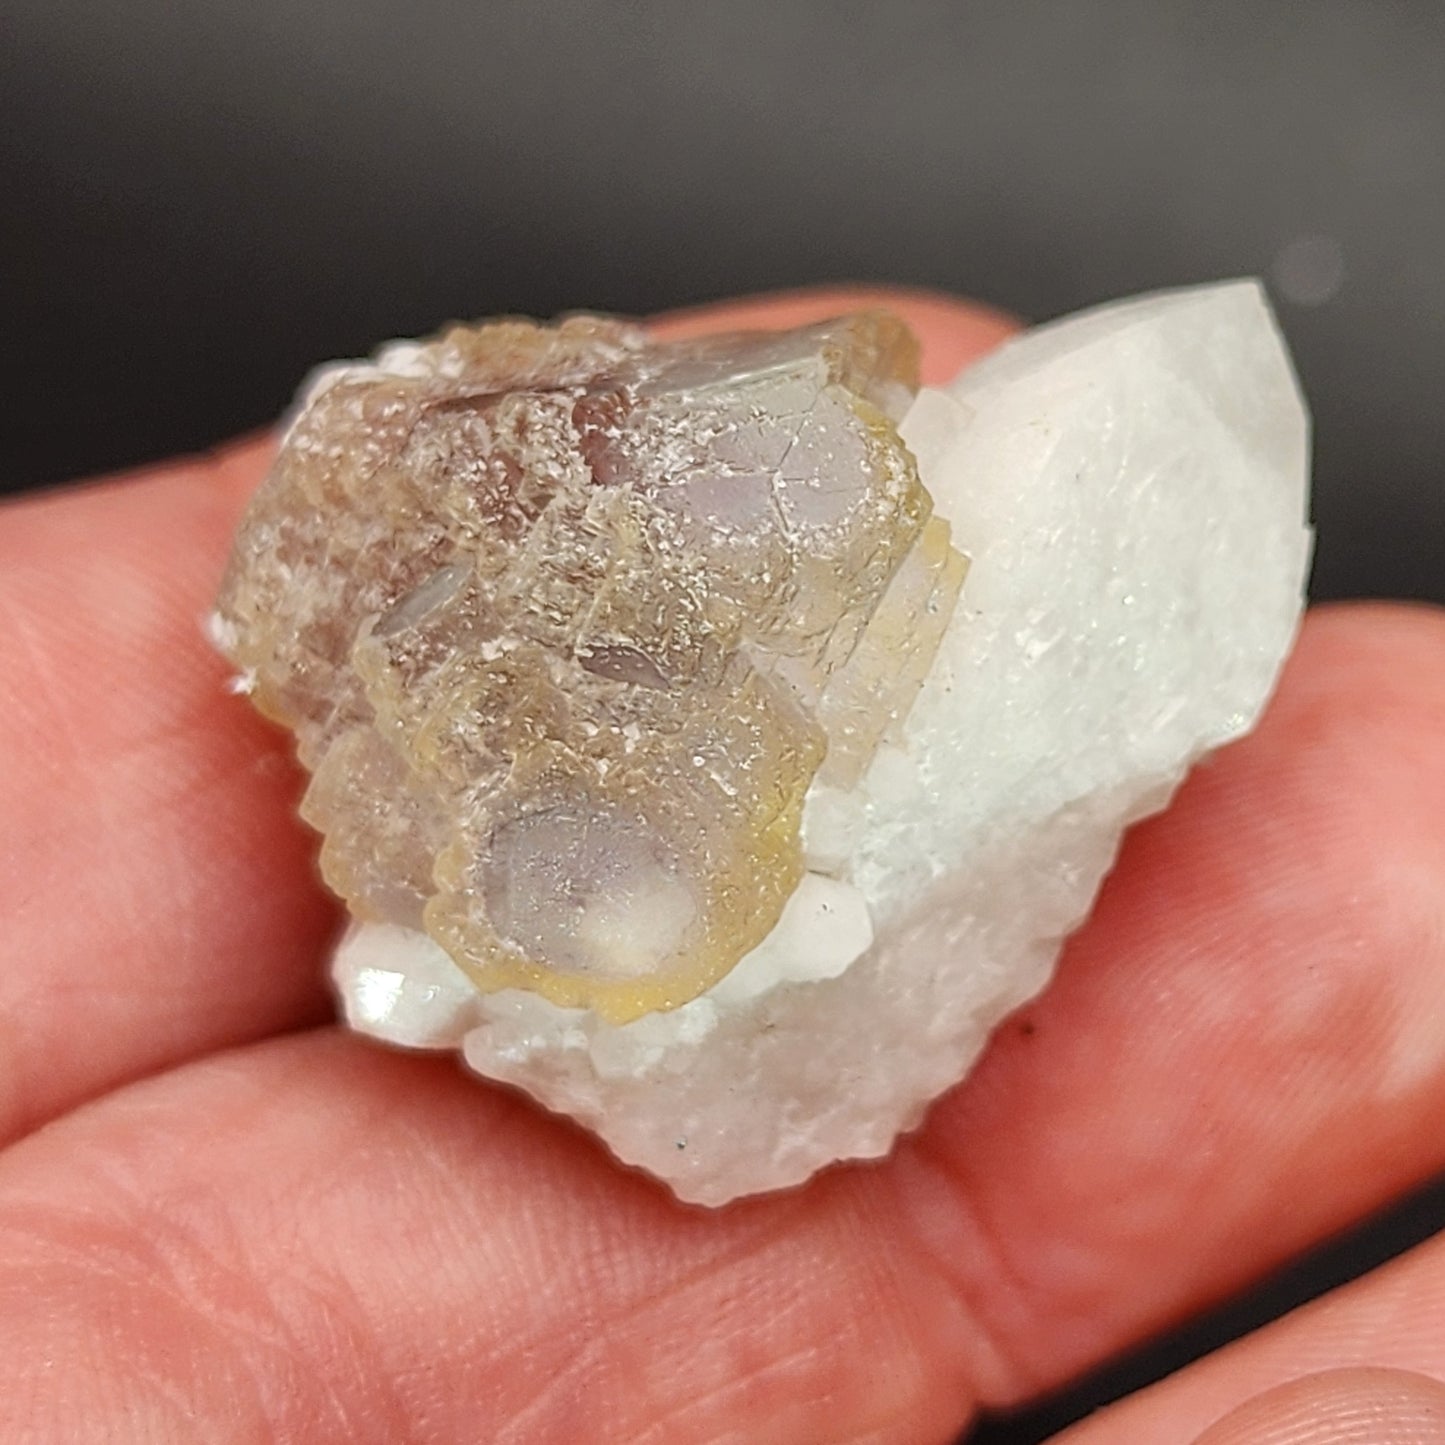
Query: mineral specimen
[[658, 767], [567, 625]]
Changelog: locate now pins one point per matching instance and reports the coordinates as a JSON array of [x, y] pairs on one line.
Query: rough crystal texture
[[1131, 485], [567, 624]]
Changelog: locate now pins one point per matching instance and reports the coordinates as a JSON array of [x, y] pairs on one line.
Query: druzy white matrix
[[717, 739]]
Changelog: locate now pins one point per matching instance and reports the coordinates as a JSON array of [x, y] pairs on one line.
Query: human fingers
[[1363, 1365], [159, 893], [1368, 1406], [355, 1240]]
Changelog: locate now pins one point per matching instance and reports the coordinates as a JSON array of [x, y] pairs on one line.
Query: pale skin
[[223, 1219]]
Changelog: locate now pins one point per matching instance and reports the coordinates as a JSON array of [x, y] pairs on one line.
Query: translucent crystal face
[[566, 623]]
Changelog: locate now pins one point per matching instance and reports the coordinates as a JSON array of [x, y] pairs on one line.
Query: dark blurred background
[[201, 200]]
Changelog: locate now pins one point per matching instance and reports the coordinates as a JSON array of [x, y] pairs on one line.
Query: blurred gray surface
[[203, 199]]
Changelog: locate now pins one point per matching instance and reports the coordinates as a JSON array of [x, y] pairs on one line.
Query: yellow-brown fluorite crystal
[[566, 623]]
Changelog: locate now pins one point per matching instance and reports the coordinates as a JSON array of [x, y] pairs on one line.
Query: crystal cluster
[[568, 624], [1131, 488]]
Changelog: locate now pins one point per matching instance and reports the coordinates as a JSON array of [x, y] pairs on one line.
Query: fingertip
[[952, 331], [1400, 639], [1360, 1406], [238, 465]]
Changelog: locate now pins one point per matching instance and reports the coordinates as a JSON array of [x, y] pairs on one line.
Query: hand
[[223, 1219]]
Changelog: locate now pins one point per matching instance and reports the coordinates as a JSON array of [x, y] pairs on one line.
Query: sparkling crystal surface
[[567, 625]]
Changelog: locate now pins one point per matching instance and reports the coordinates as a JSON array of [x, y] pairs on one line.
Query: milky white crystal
[[1131, 486]]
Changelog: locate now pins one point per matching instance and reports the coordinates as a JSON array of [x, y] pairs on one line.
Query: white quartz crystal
[[1131, 486]]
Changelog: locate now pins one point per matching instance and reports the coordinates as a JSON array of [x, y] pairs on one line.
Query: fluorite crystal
[[508, 585], [567, 624]]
